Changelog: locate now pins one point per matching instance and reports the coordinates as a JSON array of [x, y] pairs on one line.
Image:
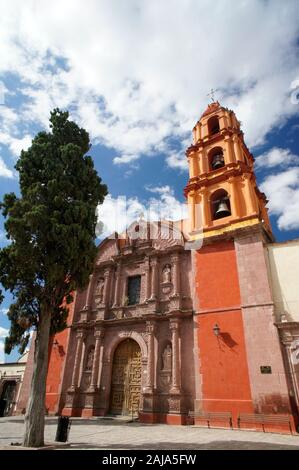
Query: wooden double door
[[126, 379]]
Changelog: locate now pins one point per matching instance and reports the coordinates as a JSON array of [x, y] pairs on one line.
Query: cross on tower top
[[212, 94]]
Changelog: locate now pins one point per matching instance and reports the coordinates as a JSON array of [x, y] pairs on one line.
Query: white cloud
[[118, 213], [125, 159], [138, 72], [5, 172], [16, 145], [3, 311], [3, 334], [160, 189], [2, 356], [3, 91], [177, 161], [276, 157], [282, 189]]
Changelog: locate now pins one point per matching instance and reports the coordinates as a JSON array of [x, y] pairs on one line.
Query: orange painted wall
[[57, 356], [223, 360], [216, 277]]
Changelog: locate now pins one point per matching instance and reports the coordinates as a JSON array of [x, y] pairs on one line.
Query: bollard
[[63, 428]]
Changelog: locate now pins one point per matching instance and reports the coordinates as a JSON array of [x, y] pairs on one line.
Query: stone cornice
[[229, 232], [287, 325], [136, 257], [213, 139], [231, 170]]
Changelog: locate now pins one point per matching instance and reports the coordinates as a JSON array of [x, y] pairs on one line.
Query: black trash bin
[[63, 428], [2, 406]]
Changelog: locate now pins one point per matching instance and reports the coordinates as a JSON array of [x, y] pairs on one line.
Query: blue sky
[[136, 75]]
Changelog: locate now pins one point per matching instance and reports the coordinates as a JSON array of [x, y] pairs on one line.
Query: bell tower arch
[[220, 162]]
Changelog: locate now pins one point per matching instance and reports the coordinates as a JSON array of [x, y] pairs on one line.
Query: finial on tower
[[212, 95]]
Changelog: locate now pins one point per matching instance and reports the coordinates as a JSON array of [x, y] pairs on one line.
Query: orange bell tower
[[222, 192], [234, 330]]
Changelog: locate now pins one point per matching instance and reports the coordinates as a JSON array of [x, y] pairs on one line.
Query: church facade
[[188, 316]]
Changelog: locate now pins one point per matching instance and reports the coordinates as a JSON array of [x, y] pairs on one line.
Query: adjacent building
[[11, 380]]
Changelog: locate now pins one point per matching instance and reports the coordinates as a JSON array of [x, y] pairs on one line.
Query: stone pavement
[[112, 433]]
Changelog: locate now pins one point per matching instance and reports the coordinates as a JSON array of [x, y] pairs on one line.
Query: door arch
[[7, 398], [126, 378]]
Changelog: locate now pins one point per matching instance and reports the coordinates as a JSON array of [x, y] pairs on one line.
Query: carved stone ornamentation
[[99, 292], [71, 398], [167, 358], [86, 379], [125, 334], [89, 359], [174, 404], [166, 274]]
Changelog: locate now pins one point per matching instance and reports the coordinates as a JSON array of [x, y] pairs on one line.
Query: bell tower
[[222, 192], [234, 328]]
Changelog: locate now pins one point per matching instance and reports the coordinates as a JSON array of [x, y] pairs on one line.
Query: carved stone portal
[[126, 378]]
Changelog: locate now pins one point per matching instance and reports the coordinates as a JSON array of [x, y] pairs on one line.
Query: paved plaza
[[114, 434]]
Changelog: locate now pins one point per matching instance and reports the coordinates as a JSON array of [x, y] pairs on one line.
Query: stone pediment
[[160, 236]]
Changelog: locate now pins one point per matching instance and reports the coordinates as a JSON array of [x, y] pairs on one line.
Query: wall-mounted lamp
[[216, 329], [55, 343]]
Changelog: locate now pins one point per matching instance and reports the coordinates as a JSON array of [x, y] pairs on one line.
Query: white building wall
[[283, 264]]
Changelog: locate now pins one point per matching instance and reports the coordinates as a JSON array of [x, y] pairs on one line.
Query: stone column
[[191, 208], [223, 123], [250, 202], [175, 259], [147, 280], [294, 374], [229, 150], [78, 357], [206, 211], [154, 280], [176, 360], [204, 131], [117, 285], [204, 159], [193, 164], [99, 334], [150, 329], [234, 198], [106, 287], [289, 337], [88, 294], [237, 149]]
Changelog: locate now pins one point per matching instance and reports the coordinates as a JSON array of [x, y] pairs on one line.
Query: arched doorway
[[126, 379], [7, 398]]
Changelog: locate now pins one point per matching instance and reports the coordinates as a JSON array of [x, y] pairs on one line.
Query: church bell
[[218, 161], [222, 209]]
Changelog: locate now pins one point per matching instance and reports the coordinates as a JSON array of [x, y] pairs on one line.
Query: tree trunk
[[35, 412]]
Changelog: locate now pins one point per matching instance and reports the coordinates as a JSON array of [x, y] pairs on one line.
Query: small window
[[134, 284]]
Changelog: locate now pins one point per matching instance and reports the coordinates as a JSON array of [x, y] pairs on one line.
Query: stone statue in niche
[[99, 292], [167, 358], [89, 360], [166, 274]]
